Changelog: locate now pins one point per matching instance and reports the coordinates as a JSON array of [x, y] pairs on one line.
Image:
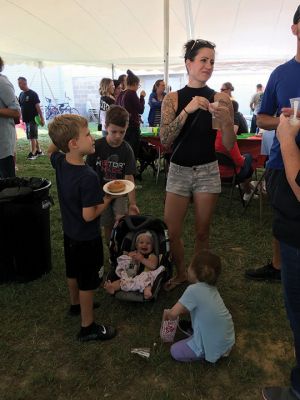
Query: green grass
[[40, 358]]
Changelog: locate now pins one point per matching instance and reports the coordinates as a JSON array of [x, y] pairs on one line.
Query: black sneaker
[[98, 332], [74, 310], [39, 153], [31, 156], [279, 393], [185, 327], [265, 273]]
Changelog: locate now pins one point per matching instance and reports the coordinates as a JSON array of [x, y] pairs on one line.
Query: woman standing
[[155, 102], [187, 126], [135, 106], [106, 91]]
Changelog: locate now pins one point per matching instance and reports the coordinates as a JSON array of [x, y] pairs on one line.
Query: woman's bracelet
[[186, 111]]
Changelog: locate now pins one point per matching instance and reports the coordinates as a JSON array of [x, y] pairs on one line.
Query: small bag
[[168, 330]]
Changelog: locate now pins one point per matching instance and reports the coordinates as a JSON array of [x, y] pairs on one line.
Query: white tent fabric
[[131, 32]]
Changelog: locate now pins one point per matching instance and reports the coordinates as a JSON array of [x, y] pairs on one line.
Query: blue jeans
[[290, 274]]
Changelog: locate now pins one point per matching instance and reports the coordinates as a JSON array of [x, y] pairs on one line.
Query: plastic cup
[[295, 105], [168, 330], [214, 122]]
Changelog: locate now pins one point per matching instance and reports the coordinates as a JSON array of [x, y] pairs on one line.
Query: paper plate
[[129, 186], [38, 121]]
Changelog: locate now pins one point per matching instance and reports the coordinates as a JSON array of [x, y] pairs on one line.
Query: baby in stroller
[[139, 257], [129, 267]]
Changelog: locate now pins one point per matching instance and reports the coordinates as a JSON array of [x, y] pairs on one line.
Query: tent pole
[[166, 42], [189, 19], [113, 71], [40, 64]]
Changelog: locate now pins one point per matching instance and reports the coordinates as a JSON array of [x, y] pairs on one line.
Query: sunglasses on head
[[202, 43], [222, 89]]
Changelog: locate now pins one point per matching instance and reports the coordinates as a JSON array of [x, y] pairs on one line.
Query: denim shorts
[[185, 181]]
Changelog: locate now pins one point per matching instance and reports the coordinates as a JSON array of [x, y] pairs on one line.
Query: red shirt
[[234, 153]]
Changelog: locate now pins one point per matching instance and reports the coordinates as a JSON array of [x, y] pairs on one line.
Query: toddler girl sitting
[[131, 263], [213, 331]]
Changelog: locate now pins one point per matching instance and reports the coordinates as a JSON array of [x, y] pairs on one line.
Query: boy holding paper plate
[[114, 160]]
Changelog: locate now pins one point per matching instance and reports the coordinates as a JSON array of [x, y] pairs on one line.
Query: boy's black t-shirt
[[78, 186], [28, 101], [112, 162]]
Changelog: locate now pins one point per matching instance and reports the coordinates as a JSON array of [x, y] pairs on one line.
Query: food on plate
[[116, 186]]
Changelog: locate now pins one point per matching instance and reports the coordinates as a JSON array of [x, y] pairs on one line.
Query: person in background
[[118, 88], [106, 91], [135, 106], [122, 81], [228, 89], [9, 109], [186, 124], [240, 123], [255, 106], [283, 84], [284, 194], [30, 107], [155, 102]]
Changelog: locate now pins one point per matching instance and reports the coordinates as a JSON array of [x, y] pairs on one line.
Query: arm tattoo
[[170, 124]]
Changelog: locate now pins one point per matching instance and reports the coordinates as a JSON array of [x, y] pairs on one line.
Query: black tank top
[[197, 145]]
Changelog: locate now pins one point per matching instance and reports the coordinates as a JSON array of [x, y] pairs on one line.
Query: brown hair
[[228, 85], [156, 84], [131, 78], [1, 64], [117, 115], [65, 128], [206, 266], [192, 47]]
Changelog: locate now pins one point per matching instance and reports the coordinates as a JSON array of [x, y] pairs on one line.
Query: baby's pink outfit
[[127, 270]]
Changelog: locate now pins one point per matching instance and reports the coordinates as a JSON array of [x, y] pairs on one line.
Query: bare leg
[[205, 204], [276, 260], [86, 307], [175, 210], [33, 145], [37, 146], [112, 287], [147, 293], [73, 290]]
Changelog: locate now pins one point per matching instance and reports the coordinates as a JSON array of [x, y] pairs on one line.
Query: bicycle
[[65, 108], [51, 110]]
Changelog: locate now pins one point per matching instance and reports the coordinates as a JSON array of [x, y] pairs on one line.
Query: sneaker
[[279, 393], [74, 310], [185, 327], [39, 153], [247, 196], [31, 156], [265, 273], [98, 332]]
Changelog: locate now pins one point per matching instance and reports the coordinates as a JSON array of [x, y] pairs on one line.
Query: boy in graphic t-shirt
[[114, 159]]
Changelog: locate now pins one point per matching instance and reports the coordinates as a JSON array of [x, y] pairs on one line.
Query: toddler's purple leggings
[[180, 351]]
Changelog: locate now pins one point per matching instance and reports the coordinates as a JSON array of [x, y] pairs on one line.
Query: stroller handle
[[142, 225]]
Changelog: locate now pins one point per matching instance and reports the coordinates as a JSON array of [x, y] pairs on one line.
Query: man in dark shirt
[[30, 107]]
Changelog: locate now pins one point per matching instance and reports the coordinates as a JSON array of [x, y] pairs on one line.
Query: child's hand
[[136, 256]]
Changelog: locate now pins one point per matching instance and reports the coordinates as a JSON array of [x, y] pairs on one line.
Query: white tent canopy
[[131, 32]]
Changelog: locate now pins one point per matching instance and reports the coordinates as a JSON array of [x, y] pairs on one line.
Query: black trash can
[[25, 245]]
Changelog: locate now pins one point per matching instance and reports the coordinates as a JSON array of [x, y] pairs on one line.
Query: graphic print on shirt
[[111, 168]]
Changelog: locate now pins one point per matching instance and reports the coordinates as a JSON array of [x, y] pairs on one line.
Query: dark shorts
[[84, 261], [31, 130]]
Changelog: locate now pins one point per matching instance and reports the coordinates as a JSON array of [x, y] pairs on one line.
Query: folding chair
[[232, 182], [258, 188]]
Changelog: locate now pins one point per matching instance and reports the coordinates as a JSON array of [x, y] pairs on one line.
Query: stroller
[[147, 156], [123, 238]]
